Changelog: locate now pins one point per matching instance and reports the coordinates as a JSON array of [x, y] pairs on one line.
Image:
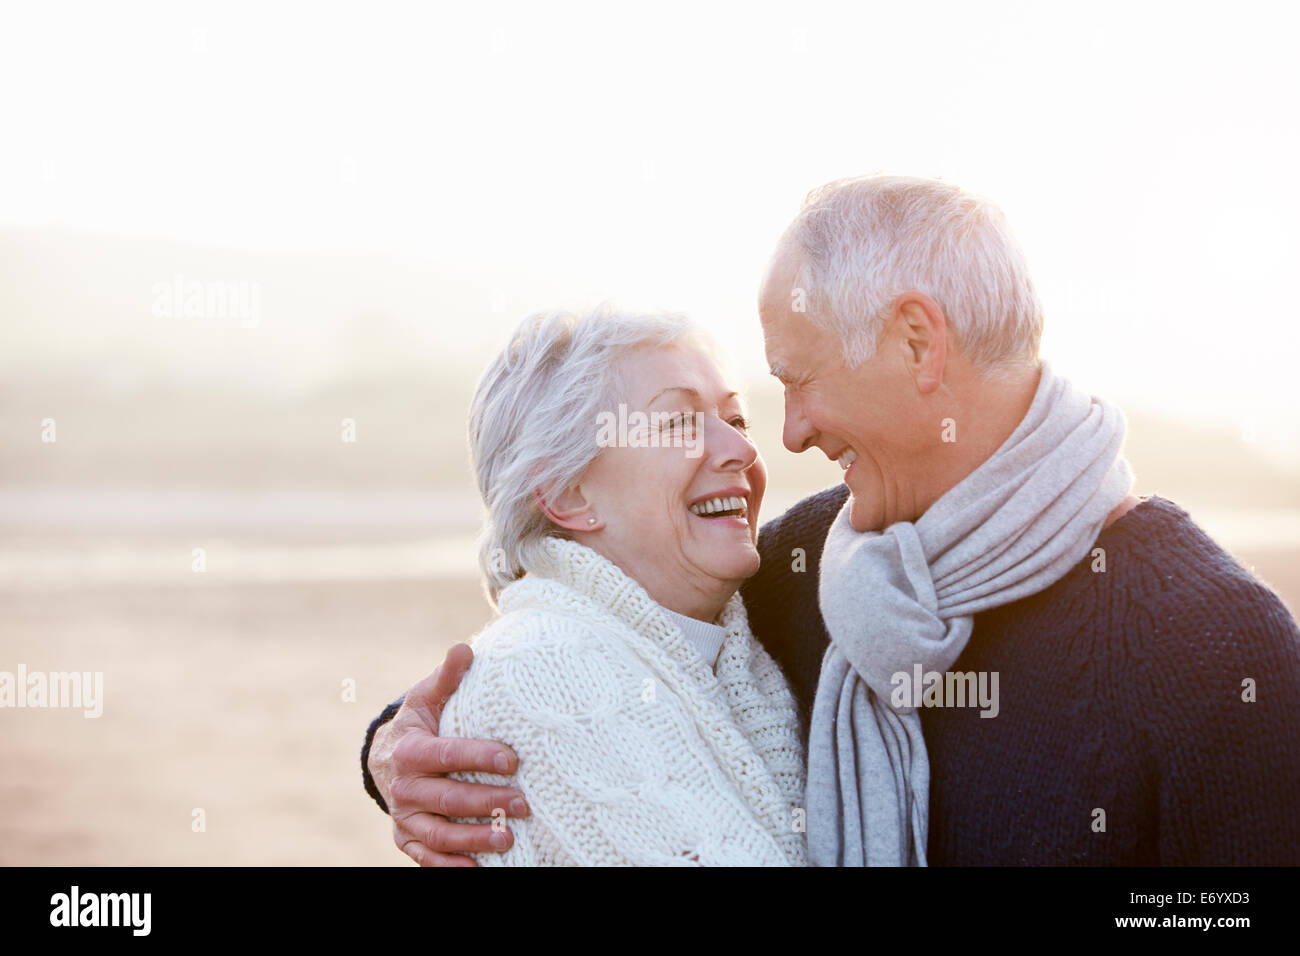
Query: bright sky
[[1144, 152]]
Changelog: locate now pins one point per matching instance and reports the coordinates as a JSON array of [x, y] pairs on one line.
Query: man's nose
[[797, 434]]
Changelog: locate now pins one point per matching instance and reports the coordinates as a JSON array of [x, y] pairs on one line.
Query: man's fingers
[[441, 836], [422, 855], [423, 754], [454, 798], [430, 695]]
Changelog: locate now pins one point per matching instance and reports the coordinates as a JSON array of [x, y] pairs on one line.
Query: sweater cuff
[[384, 717]]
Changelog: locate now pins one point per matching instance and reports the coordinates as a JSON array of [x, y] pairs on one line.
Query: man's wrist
[[367, 779]]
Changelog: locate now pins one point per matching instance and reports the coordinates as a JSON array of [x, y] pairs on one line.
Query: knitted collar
[[595, 576]]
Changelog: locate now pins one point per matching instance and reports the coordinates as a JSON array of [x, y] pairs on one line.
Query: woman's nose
[[729, 449]]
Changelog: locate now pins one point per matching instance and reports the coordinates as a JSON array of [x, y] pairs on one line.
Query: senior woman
[[650, 725]]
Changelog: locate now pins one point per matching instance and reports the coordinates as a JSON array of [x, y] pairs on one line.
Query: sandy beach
[[228, 699], [227, 696]]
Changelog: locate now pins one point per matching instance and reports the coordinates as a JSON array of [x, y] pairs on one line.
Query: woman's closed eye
[[688, 421], [679, 421]]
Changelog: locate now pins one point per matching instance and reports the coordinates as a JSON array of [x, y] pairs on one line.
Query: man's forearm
[[384, 717]]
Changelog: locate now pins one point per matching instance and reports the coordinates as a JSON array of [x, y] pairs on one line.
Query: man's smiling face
[[866, 418]]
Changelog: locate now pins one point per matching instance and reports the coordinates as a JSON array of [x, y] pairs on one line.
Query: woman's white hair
[[533, 423], [867, 240]]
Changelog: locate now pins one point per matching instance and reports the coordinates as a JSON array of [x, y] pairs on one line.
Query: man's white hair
[[533, 423], [867, 240]]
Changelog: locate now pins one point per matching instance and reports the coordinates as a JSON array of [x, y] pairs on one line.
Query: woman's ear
[[570, 510]]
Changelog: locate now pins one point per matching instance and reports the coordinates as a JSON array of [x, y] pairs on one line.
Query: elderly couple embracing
[[667, 684]]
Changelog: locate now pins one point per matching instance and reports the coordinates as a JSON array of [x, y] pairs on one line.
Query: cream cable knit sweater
[[631, 750]]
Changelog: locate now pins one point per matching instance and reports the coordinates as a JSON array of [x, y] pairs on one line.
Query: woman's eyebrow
[[688, 390]]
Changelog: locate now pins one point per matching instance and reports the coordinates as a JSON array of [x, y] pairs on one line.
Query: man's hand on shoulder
[[409, 762]]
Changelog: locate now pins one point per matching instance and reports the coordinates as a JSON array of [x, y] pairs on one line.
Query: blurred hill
[[394, 345]]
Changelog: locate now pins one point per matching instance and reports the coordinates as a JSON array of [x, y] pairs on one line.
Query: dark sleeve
[[384, 717], [781, 599], [1228, 766]]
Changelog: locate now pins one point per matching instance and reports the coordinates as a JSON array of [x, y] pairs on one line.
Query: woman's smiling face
[[676, 504]]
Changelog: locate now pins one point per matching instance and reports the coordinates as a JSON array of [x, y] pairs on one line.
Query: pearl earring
[[591, 521]]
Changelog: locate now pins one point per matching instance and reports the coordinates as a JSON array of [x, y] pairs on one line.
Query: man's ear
[[570, 510], [923, 331]]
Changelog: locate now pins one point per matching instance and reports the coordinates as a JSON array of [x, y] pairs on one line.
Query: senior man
[[1136, 687]]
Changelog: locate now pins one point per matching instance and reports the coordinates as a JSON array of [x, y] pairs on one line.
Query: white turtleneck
[[704, 637]]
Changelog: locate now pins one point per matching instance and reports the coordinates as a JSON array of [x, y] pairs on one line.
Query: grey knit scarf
[[906, 596]]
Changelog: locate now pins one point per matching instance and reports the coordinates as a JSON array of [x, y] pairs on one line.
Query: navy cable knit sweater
[[1120, 691]]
